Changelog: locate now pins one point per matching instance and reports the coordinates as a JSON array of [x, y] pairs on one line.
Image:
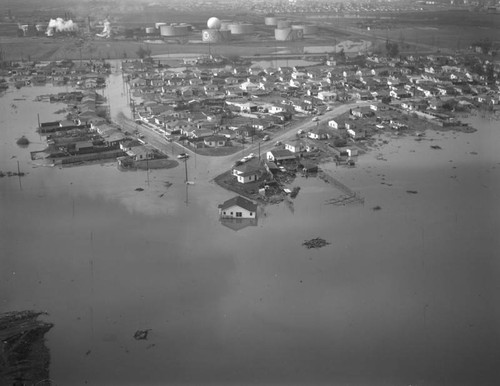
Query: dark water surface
[[405, 295]]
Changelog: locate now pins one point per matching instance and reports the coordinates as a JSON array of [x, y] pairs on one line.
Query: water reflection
[[237, 224]]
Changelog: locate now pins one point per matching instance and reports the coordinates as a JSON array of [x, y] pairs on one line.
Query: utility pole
[[19, 176], [186, 168]]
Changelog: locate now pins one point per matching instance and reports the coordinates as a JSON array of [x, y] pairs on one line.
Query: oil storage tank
[[241, 28], [174, 30], [150, 31], [282, 34], [158, 25]]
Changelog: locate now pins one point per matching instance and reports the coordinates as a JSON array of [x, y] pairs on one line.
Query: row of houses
[[273, 95]]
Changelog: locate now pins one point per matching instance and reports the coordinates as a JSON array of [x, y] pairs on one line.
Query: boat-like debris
[[317, 242]]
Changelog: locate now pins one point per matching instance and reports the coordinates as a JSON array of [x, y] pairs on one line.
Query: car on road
[[266, 138], [315, 119], [183, 156]]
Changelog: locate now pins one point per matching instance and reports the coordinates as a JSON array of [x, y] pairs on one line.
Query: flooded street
[[404, 295]]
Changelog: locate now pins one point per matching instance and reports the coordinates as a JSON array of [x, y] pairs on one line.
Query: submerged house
[[238, 207]]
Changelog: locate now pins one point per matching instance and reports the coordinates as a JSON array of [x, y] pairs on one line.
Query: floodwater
[[404, 295]]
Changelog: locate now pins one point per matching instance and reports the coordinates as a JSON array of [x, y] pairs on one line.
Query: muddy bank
[[24, 357]]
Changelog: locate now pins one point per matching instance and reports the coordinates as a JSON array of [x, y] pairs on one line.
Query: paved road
[[213, 166]]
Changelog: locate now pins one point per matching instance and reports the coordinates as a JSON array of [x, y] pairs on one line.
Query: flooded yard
[[407, 294]]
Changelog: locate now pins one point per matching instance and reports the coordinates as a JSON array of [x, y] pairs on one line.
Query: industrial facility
[[217, 30]]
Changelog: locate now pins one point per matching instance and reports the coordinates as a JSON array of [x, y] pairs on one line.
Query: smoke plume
[[60, 25]]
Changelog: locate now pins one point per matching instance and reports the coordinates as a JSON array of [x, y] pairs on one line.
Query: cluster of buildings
[[87, 75], [248, 102]]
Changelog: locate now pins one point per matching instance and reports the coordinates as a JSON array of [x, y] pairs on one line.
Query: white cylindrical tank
[[241, 28], [271, 20], [282, 34], [168, 30], [174, 30], [150, 30], [158, 25]]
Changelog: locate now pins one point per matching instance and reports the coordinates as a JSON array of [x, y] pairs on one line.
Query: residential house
[[356, 134], [327, 96], [280, 155], [295, 146], [238, 207], [215, 141], [319, 133], [363, 111], [333, 124], [247, 172]]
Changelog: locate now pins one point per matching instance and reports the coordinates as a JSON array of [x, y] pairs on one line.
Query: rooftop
[[241, 202]]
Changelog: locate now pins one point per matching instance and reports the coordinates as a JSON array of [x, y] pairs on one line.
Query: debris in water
[[411, 192], [436, 147], [294, 192], [317, 242], [377, 207], [23, 141], [141, 334], [168, 184], [139, 189]]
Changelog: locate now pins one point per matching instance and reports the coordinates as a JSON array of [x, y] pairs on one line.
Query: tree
[[339, 142], [143, 52], [386, 100], [392, 49], [342, 56]]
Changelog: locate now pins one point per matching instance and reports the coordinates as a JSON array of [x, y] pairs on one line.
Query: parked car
[[266, 138], [183, 156], [315, 119]]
